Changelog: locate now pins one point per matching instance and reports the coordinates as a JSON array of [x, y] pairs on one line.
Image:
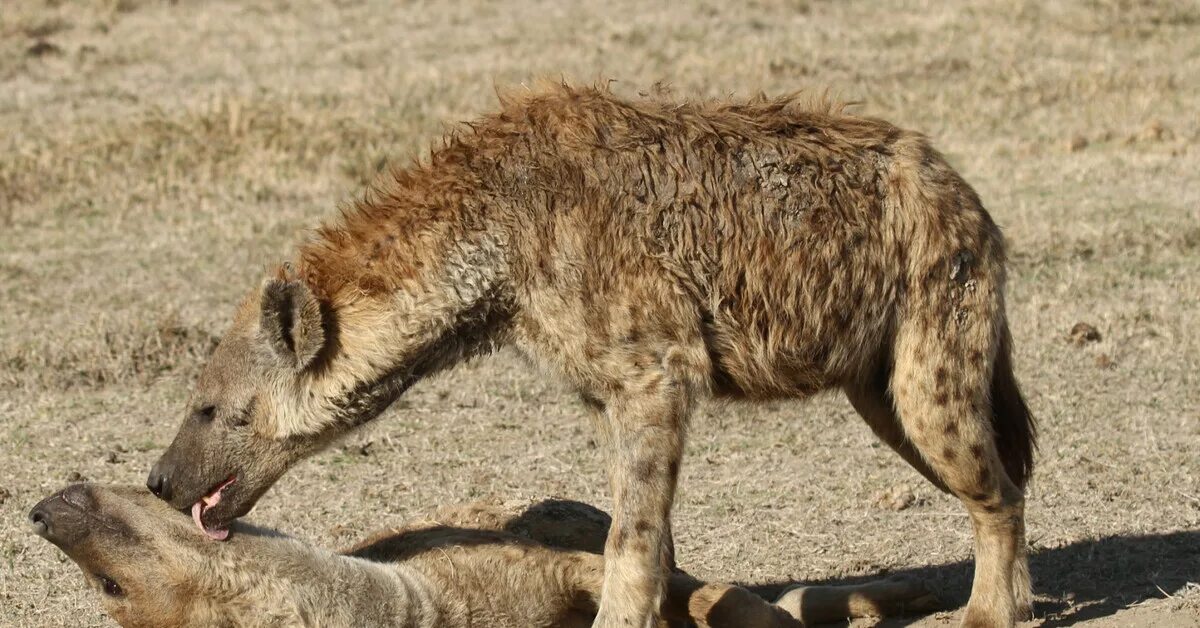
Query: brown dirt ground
[[155, 156]]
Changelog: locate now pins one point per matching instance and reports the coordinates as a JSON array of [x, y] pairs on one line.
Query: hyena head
[[272, 393], [296, 371], [133, 549]]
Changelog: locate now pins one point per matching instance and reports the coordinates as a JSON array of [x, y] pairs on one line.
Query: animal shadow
[[1077, 582]]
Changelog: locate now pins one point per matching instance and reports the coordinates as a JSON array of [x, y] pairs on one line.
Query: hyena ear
[[292, 322]]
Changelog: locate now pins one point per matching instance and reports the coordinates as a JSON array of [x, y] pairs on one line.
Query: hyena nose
[[40, 520], [159, 483]]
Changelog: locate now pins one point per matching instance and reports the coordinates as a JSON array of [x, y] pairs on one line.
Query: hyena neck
[[416, 274], [435, 231], [281, 581]]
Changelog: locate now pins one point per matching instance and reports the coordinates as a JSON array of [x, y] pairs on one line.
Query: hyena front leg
[[646, 427], [602, 427]]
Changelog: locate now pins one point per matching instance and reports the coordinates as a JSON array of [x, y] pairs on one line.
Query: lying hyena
[[653, 253], [482, 566]]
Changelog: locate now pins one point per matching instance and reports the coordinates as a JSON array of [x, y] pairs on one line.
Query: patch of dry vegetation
[[111, 354]]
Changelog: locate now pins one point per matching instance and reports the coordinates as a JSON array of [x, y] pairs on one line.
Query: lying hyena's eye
[[111, 588]]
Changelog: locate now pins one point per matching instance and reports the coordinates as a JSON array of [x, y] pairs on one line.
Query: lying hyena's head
[[133, 549]]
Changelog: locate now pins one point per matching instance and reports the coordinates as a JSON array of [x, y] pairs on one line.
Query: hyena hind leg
[[874, 404], [943, 399]]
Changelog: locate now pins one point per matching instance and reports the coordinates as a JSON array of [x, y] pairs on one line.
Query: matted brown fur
[[482, 565], [653, 253]]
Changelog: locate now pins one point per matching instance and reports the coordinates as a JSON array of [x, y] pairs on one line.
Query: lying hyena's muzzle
[[64, 518]]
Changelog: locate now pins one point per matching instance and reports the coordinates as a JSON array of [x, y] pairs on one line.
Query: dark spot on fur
[[960, 268], [674, 469], [941, 399], [645, 470], [985, 476], [976, 357], [951, 429], [940, 375], [382, 245], [977, 451], [532, 328], [592, 401], [642, 526], [948, 454]]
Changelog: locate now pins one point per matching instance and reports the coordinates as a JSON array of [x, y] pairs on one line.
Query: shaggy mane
[[367, 249]]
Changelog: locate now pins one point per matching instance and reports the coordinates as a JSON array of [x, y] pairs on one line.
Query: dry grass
[[155, 156]]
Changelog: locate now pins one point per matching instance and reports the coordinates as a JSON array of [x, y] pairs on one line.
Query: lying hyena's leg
[[688, 601], [715, 605], [890, 597], [941, 382], [646, 424]]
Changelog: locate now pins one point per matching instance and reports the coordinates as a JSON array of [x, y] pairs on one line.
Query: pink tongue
[[198, 508]]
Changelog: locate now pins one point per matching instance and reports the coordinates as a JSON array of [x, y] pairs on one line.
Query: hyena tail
[[1012, 422]]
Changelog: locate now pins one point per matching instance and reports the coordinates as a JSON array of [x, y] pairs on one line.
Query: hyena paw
[[613, 620], [979, 618]]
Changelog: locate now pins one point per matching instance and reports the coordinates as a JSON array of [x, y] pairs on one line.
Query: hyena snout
[[181, 480], [159, 480], [62, 518]]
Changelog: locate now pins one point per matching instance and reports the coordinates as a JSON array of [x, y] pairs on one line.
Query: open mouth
[[205, 504]]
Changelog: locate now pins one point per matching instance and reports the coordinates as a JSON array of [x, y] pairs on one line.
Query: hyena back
[[653, 253]]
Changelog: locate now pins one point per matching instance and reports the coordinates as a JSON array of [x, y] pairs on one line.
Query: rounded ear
[[292, 322]]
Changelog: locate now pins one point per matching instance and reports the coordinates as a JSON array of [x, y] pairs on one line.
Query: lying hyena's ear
[[292, 322]]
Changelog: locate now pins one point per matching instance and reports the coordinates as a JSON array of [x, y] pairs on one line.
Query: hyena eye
[[243, 417], [206, 413], [111, 588]]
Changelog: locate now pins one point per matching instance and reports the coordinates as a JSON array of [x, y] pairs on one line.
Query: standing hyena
[[653, 253]]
